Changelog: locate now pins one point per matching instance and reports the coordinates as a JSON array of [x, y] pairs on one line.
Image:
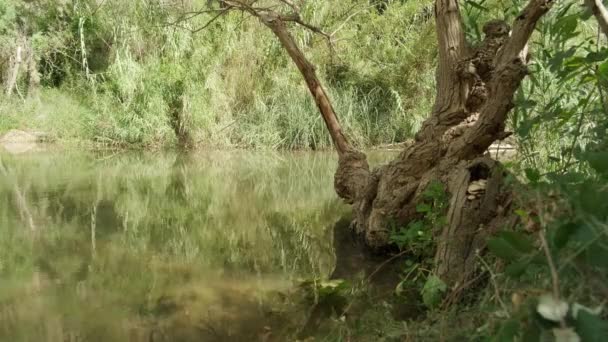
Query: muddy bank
[[17, 141], [378, 274]]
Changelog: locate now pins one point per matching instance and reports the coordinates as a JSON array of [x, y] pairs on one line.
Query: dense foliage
[[114, 71]]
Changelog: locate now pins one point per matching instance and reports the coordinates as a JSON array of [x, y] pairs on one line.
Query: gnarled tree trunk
[[475, 88]]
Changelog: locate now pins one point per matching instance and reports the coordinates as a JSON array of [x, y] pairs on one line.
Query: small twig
[[552, 269], [456, 292], [386, 262], [211, 20], [369, 278], [494, 284], [101, 3], [352, 15]]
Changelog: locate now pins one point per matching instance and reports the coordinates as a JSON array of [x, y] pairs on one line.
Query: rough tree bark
[[600, 13], [475, 88]]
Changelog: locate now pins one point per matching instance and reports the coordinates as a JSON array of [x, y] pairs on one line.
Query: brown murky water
[[160, 246]]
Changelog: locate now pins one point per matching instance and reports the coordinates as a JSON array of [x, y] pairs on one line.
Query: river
[[160, 246]]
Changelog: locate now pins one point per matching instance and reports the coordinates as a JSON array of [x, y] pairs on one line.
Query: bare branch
[[296, 19], [186, 16], [600, 13], [352, 15], [291, 4], [214, 18]]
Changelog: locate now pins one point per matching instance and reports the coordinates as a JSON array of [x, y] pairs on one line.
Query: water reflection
[[160, 247]]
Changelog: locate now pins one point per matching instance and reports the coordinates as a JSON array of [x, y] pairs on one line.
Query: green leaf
[[433, 290], [476, 5], [508, 331], [518, 240], [526, 104], [521, 213], [594, 57], [503, 249], [563, 234], [415, 226], [423, 208], [598, 161], [602, 71], [533, 175], [597, 255], [516, 269], [591, 328], [567, 25], [593, 199]]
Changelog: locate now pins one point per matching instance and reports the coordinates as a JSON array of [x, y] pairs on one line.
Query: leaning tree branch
[[353, 170], [600, 13], [276, 23], [510, 70], [314, 85]]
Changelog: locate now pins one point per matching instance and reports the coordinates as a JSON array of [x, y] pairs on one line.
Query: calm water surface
[[161, 246]]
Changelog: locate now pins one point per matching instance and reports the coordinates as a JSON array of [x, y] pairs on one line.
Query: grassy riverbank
[[116, 74]]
